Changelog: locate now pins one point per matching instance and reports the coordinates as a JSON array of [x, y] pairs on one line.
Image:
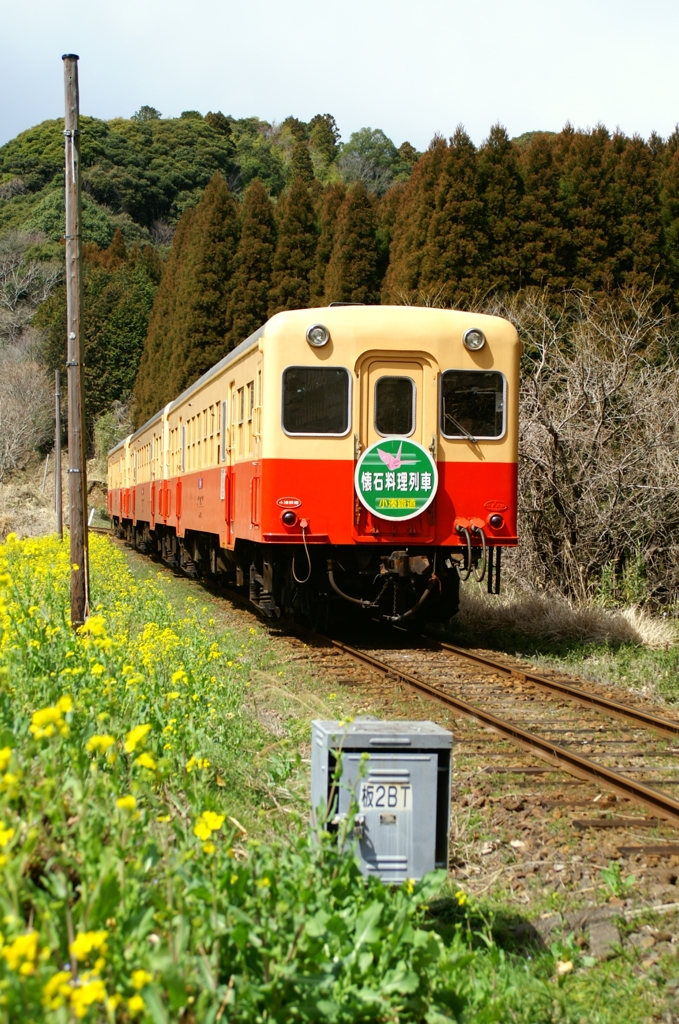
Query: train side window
[[473, 404], [395, 406], [316, 400], [223, 432]]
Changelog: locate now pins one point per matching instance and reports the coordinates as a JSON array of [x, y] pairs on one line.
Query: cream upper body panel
[[424, 342], [119, 465], [217, 421], [234, 412]]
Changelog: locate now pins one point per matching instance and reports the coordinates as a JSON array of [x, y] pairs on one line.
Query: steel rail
[[613, 707], [560, 757], [662, 804]]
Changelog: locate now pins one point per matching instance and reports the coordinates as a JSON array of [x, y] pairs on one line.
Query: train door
[[398, 399]]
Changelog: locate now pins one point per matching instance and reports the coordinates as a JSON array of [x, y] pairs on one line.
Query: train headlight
[[318, 335], [473, 339]]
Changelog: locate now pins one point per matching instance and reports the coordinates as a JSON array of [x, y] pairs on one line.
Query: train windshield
[[315, 400], [394, 405], [473, 404]]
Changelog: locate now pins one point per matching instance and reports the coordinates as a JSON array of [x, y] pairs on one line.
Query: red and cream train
[[345, 455]]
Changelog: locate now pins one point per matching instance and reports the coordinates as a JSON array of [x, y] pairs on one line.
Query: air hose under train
[[470, 568], [431, 583]]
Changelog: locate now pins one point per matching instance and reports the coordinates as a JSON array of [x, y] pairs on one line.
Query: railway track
[[527, 822], [625, 748], [577, 729]]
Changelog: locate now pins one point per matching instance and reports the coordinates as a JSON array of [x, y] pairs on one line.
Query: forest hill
[[574, 210]]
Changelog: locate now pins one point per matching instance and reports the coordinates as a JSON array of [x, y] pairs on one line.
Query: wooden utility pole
[[77, 468], [57, 457]]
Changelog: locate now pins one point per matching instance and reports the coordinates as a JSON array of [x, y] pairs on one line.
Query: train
[[347, 459]]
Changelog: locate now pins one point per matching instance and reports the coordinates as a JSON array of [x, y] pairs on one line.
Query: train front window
[[315, 400], [473, 404], [394, 406]]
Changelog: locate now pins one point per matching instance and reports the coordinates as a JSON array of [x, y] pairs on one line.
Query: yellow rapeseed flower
[[6, 834], [207, 823], [92, 990], [5, 757], [126, 803], [141, 978], [22, 953], [209, 847], [88, 942], [57, 990], [135, 1005], [47, 721], [146, 761], [99, 744], [197, 762], [97, 669], [95, 626], [136, 736]]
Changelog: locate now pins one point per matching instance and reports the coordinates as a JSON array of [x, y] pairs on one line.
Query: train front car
[[388, 460], [339, 458]]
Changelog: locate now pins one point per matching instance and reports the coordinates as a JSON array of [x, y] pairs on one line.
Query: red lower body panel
[[242, 502]]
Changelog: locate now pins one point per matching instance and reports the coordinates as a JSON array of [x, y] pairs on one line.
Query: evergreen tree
[[387, 214], [298, 129], [152, 389], [205, 286], [455, 241], [300, 163], [408, 153], [545, 240], [353, 270], [324, 139], [640, 263], [588, 185], [253, 264], [669, 197], [411, 226], [120, 296], [219, 122], [331, 200], [295, 250], [190, 319], [118, 292], [501, 189]]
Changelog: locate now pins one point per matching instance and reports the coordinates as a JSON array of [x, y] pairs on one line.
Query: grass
[[154, 854], [626, 648]]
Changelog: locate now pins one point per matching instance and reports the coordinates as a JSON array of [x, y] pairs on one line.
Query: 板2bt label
[[396, 478]]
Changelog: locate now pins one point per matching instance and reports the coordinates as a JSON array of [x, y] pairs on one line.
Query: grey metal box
[[402, 790]]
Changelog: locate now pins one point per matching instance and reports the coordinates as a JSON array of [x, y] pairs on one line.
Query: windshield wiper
[[463, 430]]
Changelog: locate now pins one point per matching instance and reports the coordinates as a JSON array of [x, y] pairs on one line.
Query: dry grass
[[28, 511], [552, 617], [24, 508]]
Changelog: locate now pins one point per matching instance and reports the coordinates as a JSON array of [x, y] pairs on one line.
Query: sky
[[410, 67]]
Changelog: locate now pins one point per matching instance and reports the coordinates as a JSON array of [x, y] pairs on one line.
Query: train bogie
[[355, 457]]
